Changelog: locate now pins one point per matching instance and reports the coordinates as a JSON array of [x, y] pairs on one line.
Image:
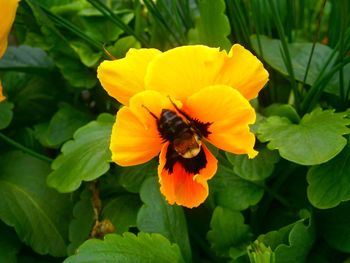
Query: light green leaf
[[101, 28], [122, 212], [212, 26], [282, 110], [257, 169], [26, 59], [87, 56], [233, 192], [84, 158], [291, 243], [6, 114], [329, 182], [38, 214], [82, 222], [9, 244], [128, 249], [334, 227], [315, 140], [157, 216], [299, 53], [119, 49], [64, 123], [228, 231]]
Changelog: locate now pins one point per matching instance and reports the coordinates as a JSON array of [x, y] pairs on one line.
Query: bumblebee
[[184, 134]]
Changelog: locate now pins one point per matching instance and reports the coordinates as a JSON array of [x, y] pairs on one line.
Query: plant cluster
[[62, 197]]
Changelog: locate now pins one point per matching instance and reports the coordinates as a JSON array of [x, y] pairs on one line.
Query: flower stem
[[25, 149]]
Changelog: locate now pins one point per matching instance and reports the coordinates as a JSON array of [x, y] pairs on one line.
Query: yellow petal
[[229, 114], [2, 97], [181, 187], [182, 71], [244, 72], [7, 16], [122, 78], [135, 138]]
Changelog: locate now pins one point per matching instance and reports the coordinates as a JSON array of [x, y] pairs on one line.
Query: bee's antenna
[[179, 110], [153, 115]]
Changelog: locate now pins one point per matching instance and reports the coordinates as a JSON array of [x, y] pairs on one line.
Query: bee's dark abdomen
[[171, 125]]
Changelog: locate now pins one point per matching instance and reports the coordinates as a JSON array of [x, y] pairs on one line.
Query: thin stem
[[24, 149], [285, 54], [317, 33]]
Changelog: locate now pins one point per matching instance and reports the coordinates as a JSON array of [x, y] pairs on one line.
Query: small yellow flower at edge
[[8, 10], [176, 101]]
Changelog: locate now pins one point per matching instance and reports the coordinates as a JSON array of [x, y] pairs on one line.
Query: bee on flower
[[175, 102]]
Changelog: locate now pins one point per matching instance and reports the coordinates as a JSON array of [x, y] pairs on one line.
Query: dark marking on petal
[[191, 165]]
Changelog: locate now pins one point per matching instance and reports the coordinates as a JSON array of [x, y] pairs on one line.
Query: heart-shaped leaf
[[85, 158], [128, 249], [227, 230], [315, 140], [213, 26], [329, 182], [157, 216]]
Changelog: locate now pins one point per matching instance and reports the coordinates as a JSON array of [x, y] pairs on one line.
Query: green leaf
[[34, 97], [157, 216], [38, 214], [64, 123], [84, 158], [329, 182], [257, 169], [26, 59], [128, 249], [334, 226], [119, 49], [299, 53], [6, 114], [282, 110], [291, 243], [82, 223], [315, 140], [101, 28], [87, 56], [9, 243], [233, 192], [131, 178], [122, 212], [228, 231], [212, 26]]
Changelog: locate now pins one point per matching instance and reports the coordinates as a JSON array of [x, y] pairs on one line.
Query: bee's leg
[[153, 115]]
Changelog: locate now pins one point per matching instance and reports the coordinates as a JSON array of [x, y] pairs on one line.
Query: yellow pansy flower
[[174, 102]]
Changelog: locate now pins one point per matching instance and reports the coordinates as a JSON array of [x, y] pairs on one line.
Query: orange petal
[[122, 78], [135, 138], [244, 72], [182, 71], [229, 114], [7, 13], [181, 187], [2, 97]]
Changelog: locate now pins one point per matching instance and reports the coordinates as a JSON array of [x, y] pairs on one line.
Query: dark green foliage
[[58, 185]]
